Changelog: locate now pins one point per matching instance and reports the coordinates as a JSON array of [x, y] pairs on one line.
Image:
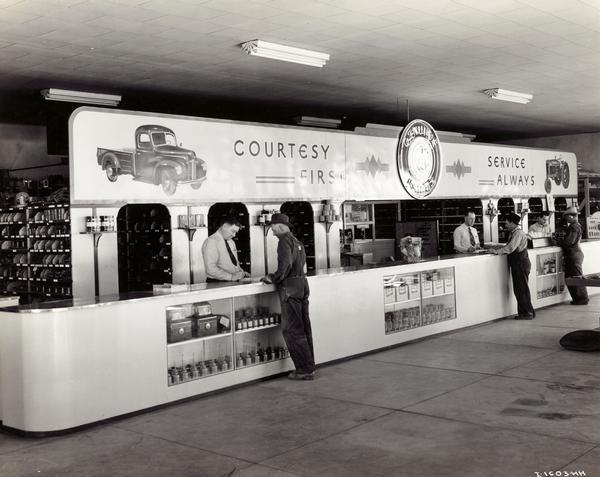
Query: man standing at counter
[[520, 266], [290, 278], [573, 255], [220, 254], [466, 239], [541, 228]]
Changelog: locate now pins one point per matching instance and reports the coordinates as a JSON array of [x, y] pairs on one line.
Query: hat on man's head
[[514, 218], [280, 219], [571, 210]]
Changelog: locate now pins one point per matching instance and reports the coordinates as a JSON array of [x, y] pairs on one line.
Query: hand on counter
[[266, 280]]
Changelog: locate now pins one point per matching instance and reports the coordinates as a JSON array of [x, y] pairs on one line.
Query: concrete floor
[[497, 400]]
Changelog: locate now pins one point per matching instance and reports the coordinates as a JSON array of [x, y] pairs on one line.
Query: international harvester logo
[[419, 159]]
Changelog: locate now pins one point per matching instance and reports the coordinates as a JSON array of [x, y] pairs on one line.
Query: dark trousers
[[297, 333], [574, 268], [520, 266]]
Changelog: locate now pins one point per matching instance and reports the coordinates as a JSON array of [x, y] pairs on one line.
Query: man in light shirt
[[541, 228], [220, 254], [520, 266], [466, 239]]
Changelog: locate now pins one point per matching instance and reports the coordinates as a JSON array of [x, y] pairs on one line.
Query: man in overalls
[[290, 278], [520, 266], [573, 255]]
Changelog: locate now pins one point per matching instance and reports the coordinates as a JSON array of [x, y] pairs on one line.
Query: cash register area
[[496, 399]]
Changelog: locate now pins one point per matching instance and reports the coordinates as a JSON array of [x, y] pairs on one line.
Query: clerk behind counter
[[541, 228], [466, 239], [220, 254]]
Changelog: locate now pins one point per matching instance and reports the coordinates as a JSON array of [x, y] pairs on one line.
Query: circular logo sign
[[419, 159]]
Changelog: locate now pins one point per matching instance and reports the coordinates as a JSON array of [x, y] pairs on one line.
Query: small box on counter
[[414, 291], [438, 287], [389, 295], [166, 288], [402, 293], [427, 288], [449, 285], [205, 326]]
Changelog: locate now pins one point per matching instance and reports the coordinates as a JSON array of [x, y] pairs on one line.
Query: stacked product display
[[35, 259], [550, 278], [418, 299], [203, 341]]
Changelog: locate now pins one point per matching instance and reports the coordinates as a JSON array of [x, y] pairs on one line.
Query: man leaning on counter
[[466, 239], [220, 254]]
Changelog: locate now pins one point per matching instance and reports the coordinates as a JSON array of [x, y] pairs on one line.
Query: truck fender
[[109, 156], [161, 165]]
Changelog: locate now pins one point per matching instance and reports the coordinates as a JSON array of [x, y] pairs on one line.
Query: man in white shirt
[[466, 239], [541, 228], [220, 254]]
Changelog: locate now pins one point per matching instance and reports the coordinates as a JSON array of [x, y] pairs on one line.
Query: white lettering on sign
[[501, 162]]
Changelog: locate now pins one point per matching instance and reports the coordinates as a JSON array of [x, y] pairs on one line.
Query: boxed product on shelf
[[205, 326], [402, 293], [448, 285], [438, 287], [179, 324], [427, 288], [414, 291], [389, 295]]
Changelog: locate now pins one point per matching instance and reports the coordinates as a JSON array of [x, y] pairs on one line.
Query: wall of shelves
[[35, 252]]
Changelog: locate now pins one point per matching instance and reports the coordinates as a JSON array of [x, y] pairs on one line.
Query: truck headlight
[[203, 165], [178, 170]]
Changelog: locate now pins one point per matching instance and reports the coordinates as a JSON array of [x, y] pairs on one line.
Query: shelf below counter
[[57, 359]]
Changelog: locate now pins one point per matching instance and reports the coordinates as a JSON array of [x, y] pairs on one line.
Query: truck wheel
[[168, 181], [196, 185], [547, 186], [112, 173], [565, 176]]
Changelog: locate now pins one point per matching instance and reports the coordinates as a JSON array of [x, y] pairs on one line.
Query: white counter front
[[66, 366]]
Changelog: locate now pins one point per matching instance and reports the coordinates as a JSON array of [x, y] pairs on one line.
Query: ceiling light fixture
[[275, 51], [318, 122], [53, 94], [506, 95]]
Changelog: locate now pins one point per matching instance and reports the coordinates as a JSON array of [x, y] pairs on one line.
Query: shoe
[[579, 302], [295, 375], [528, 316]]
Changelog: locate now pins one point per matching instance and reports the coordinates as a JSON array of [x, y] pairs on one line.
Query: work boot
[[298, 376]]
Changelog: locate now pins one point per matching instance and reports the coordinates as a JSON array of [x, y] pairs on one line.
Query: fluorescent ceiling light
[[275, 51], [54, 94], [506, 95], [318, 122]]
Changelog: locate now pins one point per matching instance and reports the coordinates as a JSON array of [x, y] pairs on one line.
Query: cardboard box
[[402, 293], [438, 287], [389, 295], [427, 288], [449, 285], [414, 291]]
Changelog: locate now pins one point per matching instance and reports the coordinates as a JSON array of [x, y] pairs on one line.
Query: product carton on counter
[[414, 291], [438, 287], [402, 293], [449, 285], [389, 295], [427, 288]]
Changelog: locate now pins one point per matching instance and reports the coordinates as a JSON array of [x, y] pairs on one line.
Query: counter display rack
[[203, 340], [550, 277], [418, 299], [35, 246]]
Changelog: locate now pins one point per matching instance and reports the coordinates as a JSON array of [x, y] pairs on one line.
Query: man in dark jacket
[[573, 255], [290, 278]]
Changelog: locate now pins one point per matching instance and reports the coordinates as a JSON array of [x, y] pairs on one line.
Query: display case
[[589, 203], [550, 277], [217, 336], [418, 299]]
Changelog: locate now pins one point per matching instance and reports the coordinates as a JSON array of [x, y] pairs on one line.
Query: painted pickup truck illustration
[[558, 171], [156, 159]]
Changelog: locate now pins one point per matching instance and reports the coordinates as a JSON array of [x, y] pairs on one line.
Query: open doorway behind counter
[[222, 210], [303, 223]]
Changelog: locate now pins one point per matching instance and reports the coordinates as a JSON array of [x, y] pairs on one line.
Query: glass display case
[[217, 336], [550, 277], [418, 299]]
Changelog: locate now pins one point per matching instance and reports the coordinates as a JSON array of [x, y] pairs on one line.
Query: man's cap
[[514, 218], [571, 210], [280, 219]]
